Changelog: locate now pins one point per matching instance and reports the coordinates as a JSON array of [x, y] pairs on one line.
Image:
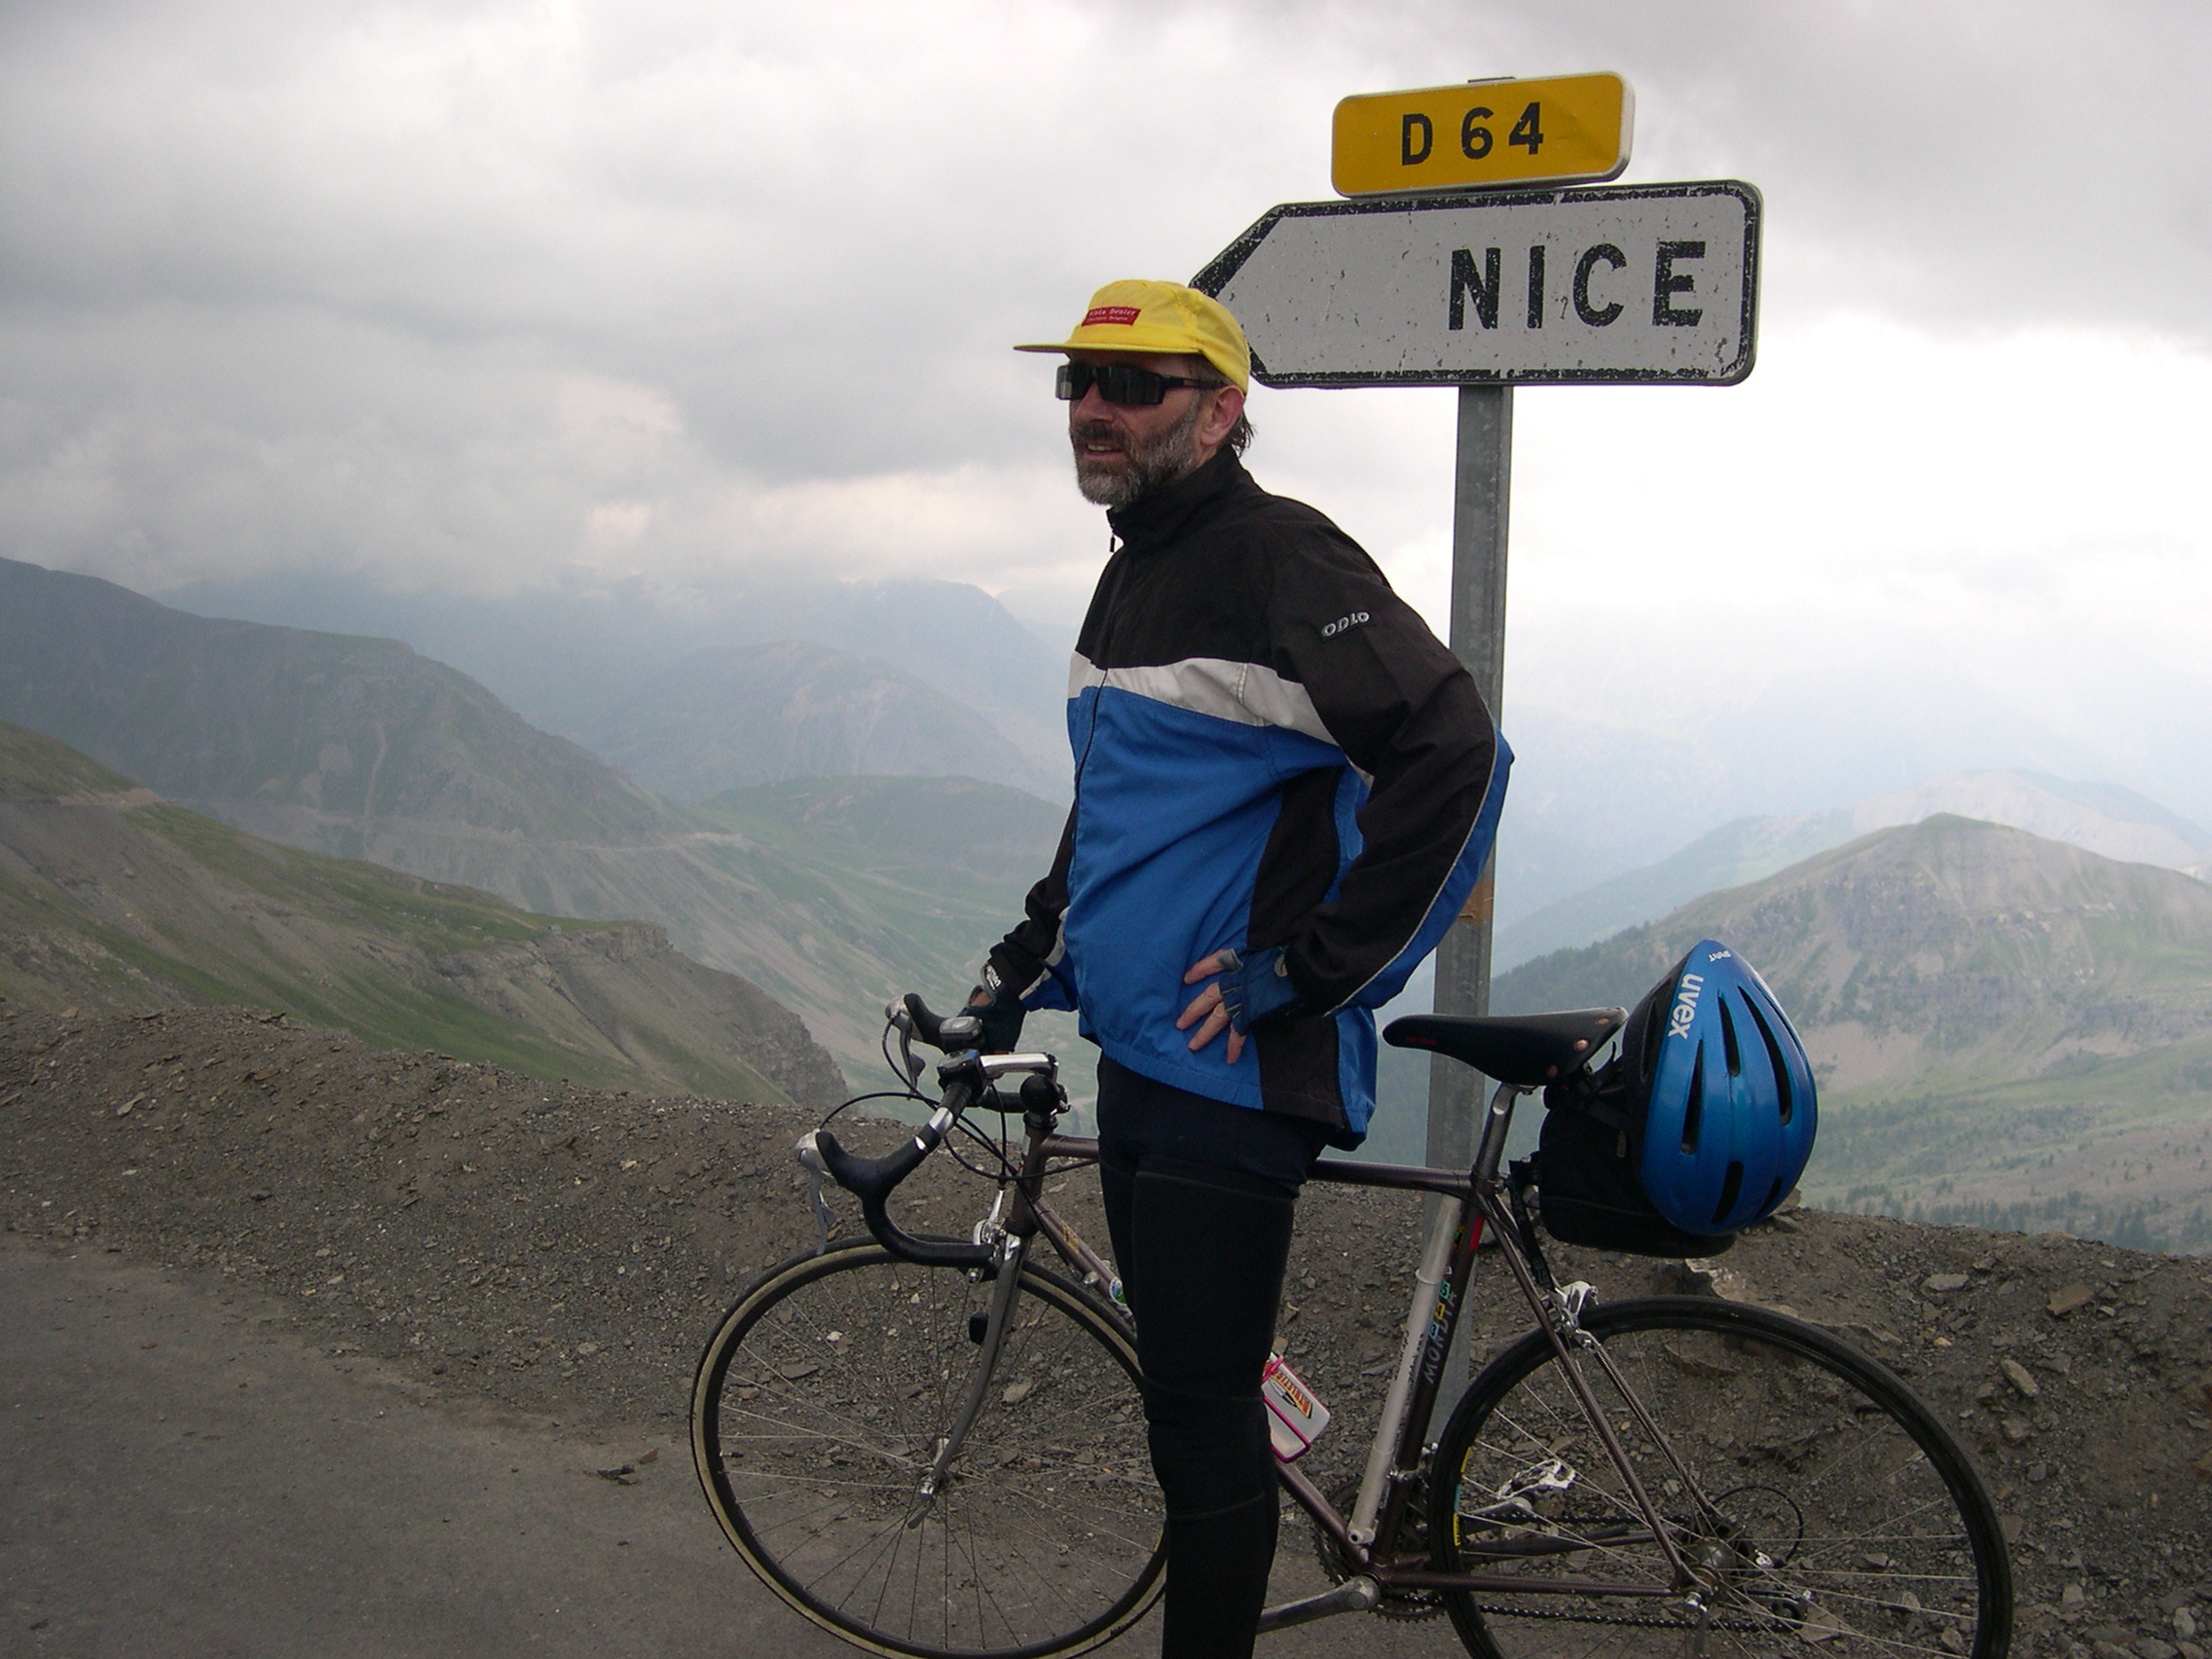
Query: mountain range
[[112, 900], [2101, 818], [833, 893], [621, 666], [363, 749], [1996, 1021]]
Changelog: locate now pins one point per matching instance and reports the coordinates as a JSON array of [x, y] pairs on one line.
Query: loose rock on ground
[[564, 1251]]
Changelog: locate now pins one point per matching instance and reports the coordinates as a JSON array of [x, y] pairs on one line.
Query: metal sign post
[[1482, 487], [1651, 284]]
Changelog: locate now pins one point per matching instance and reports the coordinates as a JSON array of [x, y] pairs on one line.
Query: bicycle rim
[[1839, 1513], [819, 1407]]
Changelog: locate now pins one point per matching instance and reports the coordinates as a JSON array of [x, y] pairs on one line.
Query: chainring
[[1408, 1605]]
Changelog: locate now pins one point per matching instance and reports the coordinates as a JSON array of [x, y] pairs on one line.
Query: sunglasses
[[1118, 383]]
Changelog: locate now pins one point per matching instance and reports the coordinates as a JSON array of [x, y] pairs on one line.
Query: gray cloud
[[469, 292]]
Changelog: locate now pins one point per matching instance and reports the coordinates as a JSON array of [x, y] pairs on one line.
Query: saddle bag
[[1589, 1173]]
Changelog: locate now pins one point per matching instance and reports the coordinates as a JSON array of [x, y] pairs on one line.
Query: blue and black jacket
[[1271, 750]]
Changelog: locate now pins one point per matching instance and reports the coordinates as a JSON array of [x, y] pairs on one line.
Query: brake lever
[[901, 1019], [824, 1218]]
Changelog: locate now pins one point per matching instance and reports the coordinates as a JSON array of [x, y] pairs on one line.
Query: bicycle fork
[[1013, 1250]]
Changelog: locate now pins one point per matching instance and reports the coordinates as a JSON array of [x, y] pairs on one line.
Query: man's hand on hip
[[1207, 1006], [1247, 990]]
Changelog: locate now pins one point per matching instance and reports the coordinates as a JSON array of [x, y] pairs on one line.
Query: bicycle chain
[[1738, 1626]]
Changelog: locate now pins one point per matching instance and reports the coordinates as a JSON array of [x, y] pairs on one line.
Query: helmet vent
[[1694, 1109], [1783, 1101], [1773, 1197], [1730, 1189], [1734, 1055]]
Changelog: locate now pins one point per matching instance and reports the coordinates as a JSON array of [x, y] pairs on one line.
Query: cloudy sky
[[502, 295]]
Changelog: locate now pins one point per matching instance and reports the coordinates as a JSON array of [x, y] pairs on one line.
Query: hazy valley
[[2014, 1025]]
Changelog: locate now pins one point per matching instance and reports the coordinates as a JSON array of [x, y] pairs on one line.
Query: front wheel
[[819, 1406], [1814, 1497]]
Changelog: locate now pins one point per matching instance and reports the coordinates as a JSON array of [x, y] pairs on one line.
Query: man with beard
[[1284, 791]]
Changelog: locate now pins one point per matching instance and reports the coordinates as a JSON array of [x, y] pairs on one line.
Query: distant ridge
[[564, 657], [112, 901], [328, 724], [735, 715], [2102, 818]]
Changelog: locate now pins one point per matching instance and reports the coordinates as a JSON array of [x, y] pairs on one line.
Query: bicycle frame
[[1474, 1202]]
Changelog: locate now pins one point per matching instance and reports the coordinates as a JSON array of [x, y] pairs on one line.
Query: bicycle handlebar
[[950, 1032], [871, 1180]]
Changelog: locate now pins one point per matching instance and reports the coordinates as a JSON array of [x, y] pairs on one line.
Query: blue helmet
[[1729, 1104]]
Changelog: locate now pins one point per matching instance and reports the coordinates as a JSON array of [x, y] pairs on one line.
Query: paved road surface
[[175, 1478], [179, 1475]]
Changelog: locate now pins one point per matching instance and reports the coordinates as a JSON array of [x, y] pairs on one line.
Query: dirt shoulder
[[563, 1252], [178, 1475]]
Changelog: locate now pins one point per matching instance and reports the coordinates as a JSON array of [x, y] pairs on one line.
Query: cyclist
[[1285, 789]]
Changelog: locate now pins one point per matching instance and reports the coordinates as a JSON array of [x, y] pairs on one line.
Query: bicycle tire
[[1858, 1525], [819, 1403]]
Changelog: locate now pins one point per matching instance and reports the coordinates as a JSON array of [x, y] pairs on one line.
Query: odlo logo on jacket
[[1331, 630], [1685, 1007]]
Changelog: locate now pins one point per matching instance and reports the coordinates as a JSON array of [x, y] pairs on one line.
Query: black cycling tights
[[1198, 1199]]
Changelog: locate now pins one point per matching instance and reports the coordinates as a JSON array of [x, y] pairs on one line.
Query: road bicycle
[[935, 1446]]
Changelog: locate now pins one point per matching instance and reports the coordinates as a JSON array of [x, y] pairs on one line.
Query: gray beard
[[1147, 467]]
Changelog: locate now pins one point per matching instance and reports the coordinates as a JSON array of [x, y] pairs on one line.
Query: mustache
[[1096, 431]]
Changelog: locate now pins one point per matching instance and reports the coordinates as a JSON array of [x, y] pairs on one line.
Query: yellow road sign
[[1566, 128]]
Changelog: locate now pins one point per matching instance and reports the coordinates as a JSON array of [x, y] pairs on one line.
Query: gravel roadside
[[563, 1252]]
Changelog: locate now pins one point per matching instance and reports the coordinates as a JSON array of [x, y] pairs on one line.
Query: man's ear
[[1221, 418]]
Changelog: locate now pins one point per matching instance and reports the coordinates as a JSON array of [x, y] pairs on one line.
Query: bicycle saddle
[[1527, 1050]]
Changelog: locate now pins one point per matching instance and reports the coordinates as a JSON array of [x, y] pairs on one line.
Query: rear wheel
[[1838, 1511], [820, 1405]]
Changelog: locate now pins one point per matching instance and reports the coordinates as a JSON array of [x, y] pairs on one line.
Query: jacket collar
[[1159, 517]]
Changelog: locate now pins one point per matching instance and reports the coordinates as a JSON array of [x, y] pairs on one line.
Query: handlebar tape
[[872, 1181]]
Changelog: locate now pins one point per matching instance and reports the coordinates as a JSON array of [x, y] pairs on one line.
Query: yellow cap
[[1161, 319]]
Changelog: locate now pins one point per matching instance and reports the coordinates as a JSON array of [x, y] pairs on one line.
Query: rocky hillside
[[2006, 1028], [567, 1251], [111, 900]]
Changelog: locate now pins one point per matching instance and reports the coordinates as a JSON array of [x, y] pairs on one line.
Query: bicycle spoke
[[1819, 1518], [1043, 1531]]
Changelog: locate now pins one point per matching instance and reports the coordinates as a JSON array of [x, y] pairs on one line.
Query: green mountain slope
[[110, 899], [2006, 1028], [360, 749], [914, 877]]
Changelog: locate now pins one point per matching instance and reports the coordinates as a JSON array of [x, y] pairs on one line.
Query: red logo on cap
[[1122, 314]]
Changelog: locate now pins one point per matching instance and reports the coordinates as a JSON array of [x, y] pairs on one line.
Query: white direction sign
[[1622, 284]]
